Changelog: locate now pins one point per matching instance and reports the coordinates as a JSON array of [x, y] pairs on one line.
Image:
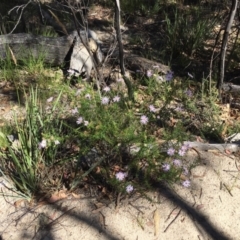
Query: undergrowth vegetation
[[75, 138]]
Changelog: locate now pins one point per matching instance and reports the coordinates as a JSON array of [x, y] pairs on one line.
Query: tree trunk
[[224, 44]]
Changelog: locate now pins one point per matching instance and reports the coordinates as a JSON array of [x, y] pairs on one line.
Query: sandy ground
[[206, 210]]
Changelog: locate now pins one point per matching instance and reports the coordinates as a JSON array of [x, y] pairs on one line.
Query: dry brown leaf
[[199, 139], [13, 56], [20, 203], [104, 190], [183, 177], [200, 206], [98, 169], [228, 151], [116, 168], [57, 196], [76, 195]]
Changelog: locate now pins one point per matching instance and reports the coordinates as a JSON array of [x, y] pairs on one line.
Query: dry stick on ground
[[169, 215], [224, 45], [121, 54], [172, 221], [48, 226]]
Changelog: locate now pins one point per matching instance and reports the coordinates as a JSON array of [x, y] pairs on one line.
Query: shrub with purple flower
[[42, 144], [116, 99], [120, 176], [181, 152], [144, 119], [152, 108], [166, 167], [189, 93], [185, 147], [129, 188], [79, 120], [186, 183], [74, 111], [105, 100], [171, 151], [149, 73], [177, 162], [169, 76], [106, 89]]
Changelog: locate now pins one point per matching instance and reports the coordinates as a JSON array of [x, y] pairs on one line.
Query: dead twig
[[229, 191], [118, 200], [172, 220], [169, 215], [99, 80], [22, 7]]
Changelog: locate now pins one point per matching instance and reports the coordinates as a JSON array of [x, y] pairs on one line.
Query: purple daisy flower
[[149, 73], [120, 176], [181, 152], [169, 76], [116, 99], [79, 120], [177, 162], [171, 151], [129, 188], [106, 89], [186, 183], [152, 108], [105, 100], [74, 111], [144, 119], [166, 167], [42, 144]]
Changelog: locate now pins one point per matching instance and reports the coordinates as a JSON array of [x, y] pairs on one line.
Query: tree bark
[[224, 44], [52, 50], [121, 53]]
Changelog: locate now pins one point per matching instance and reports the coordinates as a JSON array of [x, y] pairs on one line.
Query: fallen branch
[[221, 147], [228, 87]]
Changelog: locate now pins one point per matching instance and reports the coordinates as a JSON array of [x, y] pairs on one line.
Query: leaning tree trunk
[[224, 45], [121, 53]]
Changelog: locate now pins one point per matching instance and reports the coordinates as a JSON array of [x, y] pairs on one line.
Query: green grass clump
[[187, 31]]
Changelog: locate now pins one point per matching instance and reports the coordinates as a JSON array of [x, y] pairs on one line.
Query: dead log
[[219, 147], [228, 87], [53, 50], [142, 65]]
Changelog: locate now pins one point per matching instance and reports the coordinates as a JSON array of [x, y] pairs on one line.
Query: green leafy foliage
[[186, 31]]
